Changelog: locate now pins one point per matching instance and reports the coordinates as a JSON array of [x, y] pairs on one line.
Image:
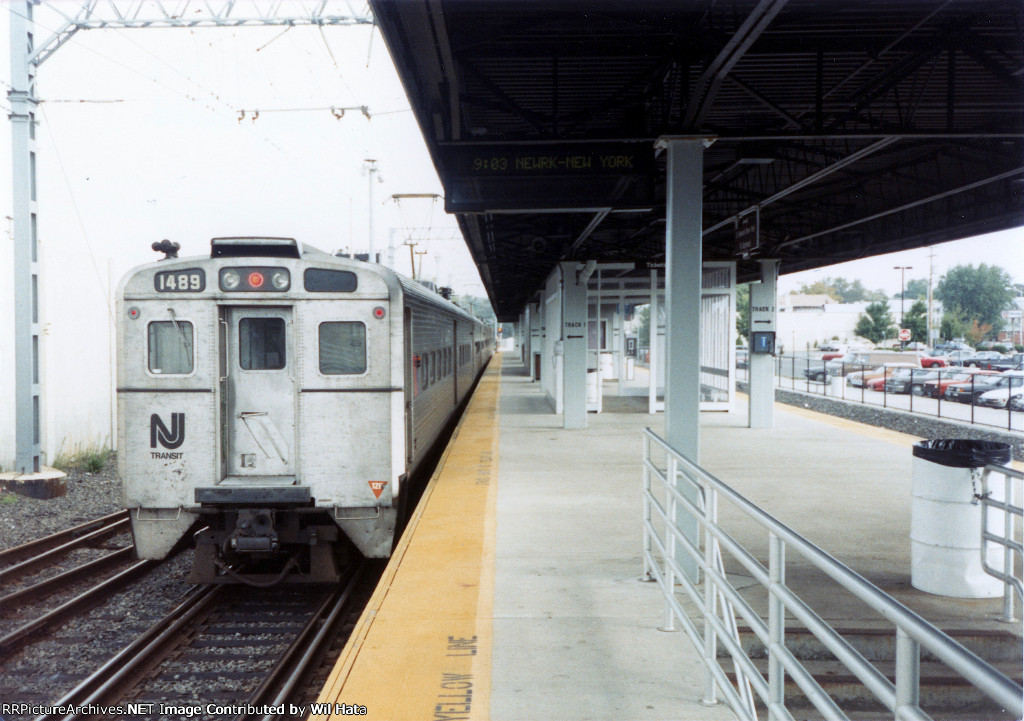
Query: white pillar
[[763, 314], [27, 350], [574, 346], [652, 355], [682, 294], [535, 342], [683, 270]]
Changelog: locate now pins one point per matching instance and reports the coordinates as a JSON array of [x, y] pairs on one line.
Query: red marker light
[[255, 280], [378, 312]]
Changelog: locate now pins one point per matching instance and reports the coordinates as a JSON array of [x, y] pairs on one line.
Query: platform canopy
[[841, 129]]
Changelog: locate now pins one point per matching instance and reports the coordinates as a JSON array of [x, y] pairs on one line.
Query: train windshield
[[261, 344], [170, 347]]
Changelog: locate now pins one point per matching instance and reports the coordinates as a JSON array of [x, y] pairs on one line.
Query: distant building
[[807, 321]]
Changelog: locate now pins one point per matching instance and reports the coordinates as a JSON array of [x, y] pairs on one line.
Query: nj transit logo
[[169, 439]]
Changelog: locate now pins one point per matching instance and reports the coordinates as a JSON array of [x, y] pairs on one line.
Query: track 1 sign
[[904, 334]]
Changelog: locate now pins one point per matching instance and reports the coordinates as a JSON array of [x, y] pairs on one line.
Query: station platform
[[516, 592]]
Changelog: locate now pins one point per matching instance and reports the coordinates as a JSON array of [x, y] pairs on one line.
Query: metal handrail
[[913, 633], [1006, 504]]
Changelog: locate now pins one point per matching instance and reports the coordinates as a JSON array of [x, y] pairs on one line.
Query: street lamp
[[902, 269]]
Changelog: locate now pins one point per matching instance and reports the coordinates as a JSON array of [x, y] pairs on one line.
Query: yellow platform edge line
[[335, 683]]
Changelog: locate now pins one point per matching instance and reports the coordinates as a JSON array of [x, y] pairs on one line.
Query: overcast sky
[[141, 139]]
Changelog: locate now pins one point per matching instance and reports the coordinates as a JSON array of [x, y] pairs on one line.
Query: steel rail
[[76, 605], [125, 667], [38, 590], [17, 553], [31, 564], [289, 672]]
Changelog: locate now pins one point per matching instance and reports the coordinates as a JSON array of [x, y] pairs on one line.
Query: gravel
[[89, 496]]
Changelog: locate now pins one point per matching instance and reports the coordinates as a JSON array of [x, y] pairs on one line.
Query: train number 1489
[[190, 280]]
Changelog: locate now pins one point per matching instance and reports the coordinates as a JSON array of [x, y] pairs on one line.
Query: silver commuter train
[[280, 395]]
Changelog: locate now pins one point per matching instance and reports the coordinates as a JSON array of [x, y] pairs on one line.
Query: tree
[[876, 324], [982, 293], [954, 323], [842, 290], [917, 289], [743, 311], [916, 320], [643, 330], [977, 332]]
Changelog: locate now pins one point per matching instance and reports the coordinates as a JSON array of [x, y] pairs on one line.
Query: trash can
[[945, 518]]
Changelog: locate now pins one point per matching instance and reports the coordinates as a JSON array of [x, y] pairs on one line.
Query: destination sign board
[[511, 159], [570, 176]]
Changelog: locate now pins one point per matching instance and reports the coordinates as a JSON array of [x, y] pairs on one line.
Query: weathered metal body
[[281, 395]]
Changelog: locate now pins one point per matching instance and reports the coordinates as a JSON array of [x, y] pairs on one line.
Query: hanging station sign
[[525, 177], [748, 233]]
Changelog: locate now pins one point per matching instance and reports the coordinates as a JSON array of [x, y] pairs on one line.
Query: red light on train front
[[255, 280], [378, 313]]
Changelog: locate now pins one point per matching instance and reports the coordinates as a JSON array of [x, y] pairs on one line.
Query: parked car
[[1010, 383], [971, 392], [1017, 402], [932, 361], [960, 376], [909, 380], [742, 357], [862, 360], [857, 379], [953, 345], [1014, 362], [982, 359], [954, 357]]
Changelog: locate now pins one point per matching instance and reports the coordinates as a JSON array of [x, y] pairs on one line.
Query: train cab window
[[170, 347], [342, 348], [261, 344]]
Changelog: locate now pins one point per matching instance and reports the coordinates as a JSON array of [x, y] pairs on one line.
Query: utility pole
[[420, 253], [29, 49], [931, 267], [412, 258]]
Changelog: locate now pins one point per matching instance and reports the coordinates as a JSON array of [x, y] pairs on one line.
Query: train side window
[[261, 344], [170, 347], [342, 348]]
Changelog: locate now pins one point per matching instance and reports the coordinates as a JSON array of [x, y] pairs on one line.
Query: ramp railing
[[675, 487], [993, 498]]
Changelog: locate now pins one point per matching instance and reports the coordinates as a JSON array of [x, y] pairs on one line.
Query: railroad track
[[225, 652], [52, 579]]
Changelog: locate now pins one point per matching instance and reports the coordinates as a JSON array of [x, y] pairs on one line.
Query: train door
[[410, 371], [259, 395]]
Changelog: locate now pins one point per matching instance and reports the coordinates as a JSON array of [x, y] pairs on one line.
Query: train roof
[[271, 247]]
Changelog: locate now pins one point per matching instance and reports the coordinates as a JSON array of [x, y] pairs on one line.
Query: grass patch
[[8, 499], [82, 459]]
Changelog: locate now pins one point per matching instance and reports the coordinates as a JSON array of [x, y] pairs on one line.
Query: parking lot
[[790, 374]]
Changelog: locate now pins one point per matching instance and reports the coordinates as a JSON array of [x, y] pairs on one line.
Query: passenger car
[[971, 391], [857, 379], [909, 380], [1008, 363], [285, 401], [982, 359], [1009, 384], [935, 388]]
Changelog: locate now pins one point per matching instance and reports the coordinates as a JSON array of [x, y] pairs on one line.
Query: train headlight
[[230, 279], [280, 279]]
